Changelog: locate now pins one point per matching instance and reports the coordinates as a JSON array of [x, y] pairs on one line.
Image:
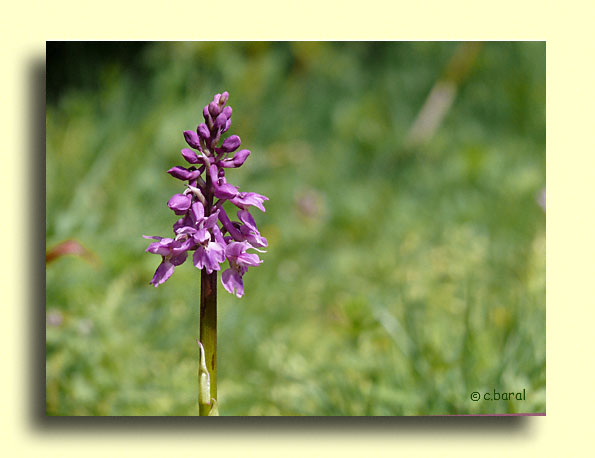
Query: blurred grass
[[397, 280]]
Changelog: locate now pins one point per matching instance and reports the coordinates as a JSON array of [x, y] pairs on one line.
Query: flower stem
[[208, 331], [208, 316]]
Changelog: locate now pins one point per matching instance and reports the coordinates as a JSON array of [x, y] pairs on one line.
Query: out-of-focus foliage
[[397, 280]]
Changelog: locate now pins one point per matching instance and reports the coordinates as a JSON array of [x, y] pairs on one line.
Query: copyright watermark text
[[495, 395]]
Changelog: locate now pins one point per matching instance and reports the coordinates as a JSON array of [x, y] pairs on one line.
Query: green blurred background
[[406, 265]]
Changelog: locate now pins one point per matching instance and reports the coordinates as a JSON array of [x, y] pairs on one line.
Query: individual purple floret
[[204, 226], [239, 260]]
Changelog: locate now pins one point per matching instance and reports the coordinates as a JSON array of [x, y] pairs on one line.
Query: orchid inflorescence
[[198, 229]]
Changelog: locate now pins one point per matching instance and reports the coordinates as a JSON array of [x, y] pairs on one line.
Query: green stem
[[208, 320], [208, 331]]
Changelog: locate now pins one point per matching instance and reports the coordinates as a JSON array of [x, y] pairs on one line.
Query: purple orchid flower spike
[[203, 226]]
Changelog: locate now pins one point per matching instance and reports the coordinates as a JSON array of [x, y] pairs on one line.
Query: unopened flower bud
[[179, 203], [224, 98], [190, 156], [227, 126], [237, 160], [220, 121], [240, 157], [231, 144], [227, 111], [203, 131], [192, 139], [214, 109], [184, 174], [206, 114]]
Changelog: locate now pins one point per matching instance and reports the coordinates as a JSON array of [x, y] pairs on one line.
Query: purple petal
[[179, 259], [233, 231], [253, 237], [162, 247], [214, 109], [179, 203], [185, 221], [154, 237], [184, 174], [190, 156], [245, 217], [231, 143], [192, 139], [225, 191], [237, 160], [158, 248], [220, 121], [217, 251], [235, 249], [214, 174], [224, 98], [186, 230], [206, 114], [248, 259], [209, 257], [163, 272], [203, 131], [180, 247], [232, 280], [240, 157], [227, 125], [222, 191], [202, 235], [211, 220], [227, 111], [198, 211], [218, 235], [246, 199]]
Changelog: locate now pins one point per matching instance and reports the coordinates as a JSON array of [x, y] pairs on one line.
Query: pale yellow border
[[566, 25]]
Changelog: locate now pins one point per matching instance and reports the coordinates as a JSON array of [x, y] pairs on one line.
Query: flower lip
[[163, 272], [209, 256], [233, 282]]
